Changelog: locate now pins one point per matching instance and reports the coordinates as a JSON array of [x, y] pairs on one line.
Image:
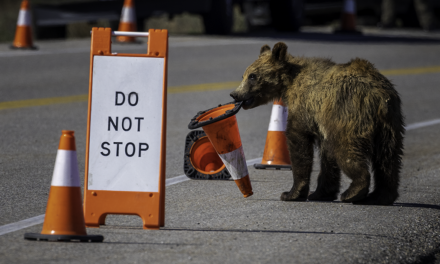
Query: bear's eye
[[252, 76]]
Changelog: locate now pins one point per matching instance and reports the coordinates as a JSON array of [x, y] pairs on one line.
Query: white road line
[[423, 124], [253, 161], [5, 229], [21, 224], [182, 178], [176, 180]]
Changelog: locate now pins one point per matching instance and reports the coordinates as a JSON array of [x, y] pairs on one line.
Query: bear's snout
[[234, 95]]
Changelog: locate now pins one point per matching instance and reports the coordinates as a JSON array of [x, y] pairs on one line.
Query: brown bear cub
[[350, 111]]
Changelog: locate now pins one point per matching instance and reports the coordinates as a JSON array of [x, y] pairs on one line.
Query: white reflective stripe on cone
[[128, 15], [65, 172], [278, 118], [24, 18], [235, 163], [350, 6]]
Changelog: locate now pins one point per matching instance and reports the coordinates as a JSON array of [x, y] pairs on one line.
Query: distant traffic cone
[[201, 161], [23, 33], [128, 21], [276, 155], [64, 219], [348, 18], [220, 125]]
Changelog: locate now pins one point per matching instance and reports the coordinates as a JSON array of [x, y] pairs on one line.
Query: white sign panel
[[125, 124]]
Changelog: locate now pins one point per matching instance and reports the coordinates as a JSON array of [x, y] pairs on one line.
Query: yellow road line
[[202, 87], [186, 89], [44, 101], [408, 71], [83, 97]]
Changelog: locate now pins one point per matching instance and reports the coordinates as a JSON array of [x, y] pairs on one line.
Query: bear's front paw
[[287, 196], [352, 195]]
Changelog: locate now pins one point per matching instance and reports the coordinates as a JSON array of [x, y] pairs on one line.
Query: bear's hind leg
[[357, 170], [386, 180], [301, 157], [328, 180], [385, 193]]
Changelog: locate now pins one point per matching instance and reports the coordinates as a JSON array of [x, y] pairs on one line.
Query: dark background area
[[74, 18]]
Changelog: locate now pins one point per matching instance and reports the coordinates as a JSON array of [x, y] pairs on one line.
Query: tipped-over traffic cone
[[201, 161], [64, 219], [348, 18], [23, 33], [128, 21], [276, 155], [220, 125]]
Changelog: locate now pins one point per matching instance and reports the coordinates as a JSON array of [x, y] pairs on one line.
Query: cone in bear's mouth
[[248, 102], [221, 112]]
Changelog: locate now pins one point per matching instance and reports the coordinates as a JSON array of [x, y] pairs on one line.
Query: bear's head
[[264, 80]]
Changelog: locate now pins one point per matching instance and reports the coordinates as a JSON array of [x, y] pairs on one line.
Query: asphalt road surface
[[43, 92]]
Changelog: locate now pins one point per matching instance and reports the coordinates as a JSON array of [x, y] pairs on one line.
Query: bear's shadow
[[409, 205]]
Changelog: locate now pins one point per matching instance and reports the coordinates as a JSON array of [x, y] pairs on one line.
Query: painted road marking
[[408, 71], [5, 229], [203, 87], [21, 224], [84, 97], [185, 89], [423, 124], [44, 101]]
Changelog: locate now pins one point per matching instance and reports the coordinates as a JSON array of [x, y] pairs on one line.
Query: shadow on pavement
[[146, 243], [410, 205], [269, 231], [417, 205]]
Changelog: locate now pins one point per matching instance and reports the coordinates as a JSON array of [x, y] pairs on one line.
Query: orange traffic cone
[[64, 220], [220, 125], [348, 18], [23, 33], [276, 155], [128, 21], [201, 161]]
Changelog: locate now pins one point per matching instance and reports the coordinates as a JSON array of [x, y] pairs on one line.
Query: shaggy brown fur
[[351, 111]]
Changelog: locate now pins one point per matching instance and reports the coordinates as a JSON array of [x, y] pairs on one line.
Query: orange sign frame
[[150, 206]]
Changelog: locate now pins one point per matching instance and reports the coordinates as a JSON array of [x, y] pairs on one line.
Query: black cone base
[[188, 167], [272, 167], [63, 238]]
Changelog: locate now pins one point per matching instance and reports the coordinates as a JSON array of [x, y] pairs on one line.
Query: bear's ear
[[264, 49], [279, 51]]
